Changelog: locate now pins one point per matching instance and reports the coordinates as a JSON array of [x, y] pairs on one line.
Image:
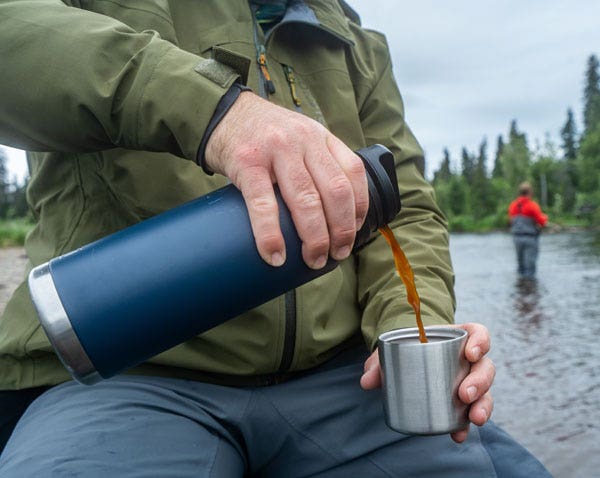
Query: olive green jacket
[[112, 97]]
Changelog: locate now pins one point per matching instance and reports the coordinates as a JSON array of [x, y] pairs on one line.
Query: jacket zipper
[[291, 79], [266, 88], [264, 71]]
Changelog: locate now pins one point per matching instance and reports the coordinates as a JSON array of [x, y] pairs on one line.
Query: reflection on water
[[527, 303], [544, 334]]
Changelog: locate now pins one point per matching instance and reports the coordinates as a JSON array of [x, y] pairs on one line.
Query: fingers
[[478, 381], [257, 189], [478, 341], [475, 388], [326, 193], [481, 410], [322, 182], [371, 377], [306, 207], [354, 170], [461, 435]]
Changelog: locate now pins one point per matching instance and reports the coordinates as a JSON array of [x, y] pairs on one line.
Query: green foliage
[[444, 173], [498, 171], [567, 181], [591, 95], [481, 201], [467, 166], [515, 157], [589, 161], [13, 232], [4, 185], [568, 134], [13, 203]]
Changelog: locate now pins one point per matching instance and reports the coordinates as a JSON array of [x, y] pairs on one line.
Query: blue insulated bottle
[[118, 301]]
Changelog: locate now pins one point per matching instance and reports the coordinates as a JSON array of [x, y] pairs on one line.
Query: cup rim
[[448, 333]]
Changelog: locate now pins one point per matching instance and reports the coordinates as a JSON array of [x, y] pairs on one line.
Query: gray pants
[[319, 424], [527, 253]]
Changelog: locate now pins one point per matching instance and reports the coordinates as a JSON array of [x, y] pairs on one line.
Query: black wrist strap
[[221, 110]]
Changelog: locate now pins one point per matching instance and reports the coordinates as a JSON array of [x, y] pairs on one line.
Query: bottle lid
[[384, 196]]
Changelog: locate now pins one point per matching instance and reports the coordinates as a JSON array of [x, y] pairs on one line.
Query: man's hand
[[323, 183], [474, 389]]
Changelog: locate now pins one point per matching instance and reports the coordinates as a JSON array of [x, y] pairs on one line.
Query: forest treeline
[[566, 177], [473, 195], [12, 193]]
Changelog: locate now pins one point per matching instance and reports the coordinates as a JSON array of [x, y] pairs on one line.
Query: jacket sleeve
[[420, 227], [537, 214], [74, 80]]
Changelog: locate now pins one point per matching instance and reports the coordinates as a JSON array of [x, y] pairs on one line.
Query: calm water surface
[[545, 338]]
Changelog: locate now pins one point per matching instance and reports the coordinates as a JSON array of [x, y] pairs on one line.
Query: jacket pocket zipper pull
[[291, 79], [262, 62]]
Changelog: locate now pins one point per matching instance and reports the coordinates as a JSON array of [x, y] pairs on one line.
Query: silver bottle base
[[58, 327]]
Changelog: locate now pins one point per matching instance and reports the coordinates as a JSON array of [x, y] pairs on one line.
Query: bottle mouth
[[384, 196], [58, 327]]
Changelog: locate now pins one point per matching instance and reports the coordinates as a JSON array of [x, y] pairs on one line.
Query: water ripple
[[544, 334]]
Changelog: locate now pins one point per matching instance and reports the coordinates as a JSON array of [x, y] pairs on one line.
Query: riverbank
[[464, 224], [14, 231], [12, 270]]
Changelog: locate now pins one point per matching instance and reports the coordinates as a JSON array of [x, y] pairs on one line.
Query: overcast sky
[[466, 68]]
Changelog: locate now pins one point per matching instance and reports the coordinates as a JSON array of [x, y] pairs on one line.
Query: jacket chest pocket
[[320, 85]]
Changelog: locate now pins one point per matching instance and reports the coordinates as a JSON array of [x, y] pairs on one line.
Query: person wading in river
[[526, 223]]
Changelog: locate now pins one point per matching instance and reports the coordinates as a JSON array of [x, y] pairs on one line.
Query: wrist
[[223, 107]]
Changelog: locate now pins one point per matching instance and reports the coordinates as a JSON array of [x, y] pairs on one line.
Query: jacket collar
[[327, 16]]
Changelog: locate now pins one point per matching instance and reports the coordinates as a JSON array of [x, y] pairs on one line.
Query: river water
[[545, 342], [545, 339]]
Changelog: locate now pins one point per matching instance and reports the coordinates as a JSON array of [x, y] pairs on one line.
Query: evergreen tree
[[443, 174], [516, 157], [457, 196], [498, 171], [20, 207], [468, 166], [4, 185], [568, 171], [568, 134], [545, 174], [589, 162], [480, 186], [591, 96]]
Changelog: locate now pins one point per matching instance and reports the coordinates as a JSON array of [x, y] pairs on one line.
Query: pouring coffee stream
[[408, 278]]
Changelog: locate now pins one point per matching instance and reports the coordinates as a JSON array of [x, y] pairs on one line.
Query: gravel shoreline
[[12, 270]]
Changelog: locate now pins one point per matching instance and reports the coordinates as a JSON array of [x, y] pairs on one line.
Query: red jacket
[[525, 206]]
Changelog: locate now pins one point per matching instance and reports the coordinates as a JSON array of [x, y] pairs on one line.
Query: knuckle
[[307, 126], [309, 200], [262, 205], [340, 188], [357, 168], [318, 245], [341, 236], [278, 138]]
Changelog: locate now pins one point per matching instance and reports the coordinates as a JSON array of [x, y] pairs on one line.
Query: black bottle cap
[[384, 197]]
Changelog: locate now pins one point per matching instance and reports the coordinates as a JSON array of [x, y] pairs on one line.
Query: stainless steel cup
[[420, 381]]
